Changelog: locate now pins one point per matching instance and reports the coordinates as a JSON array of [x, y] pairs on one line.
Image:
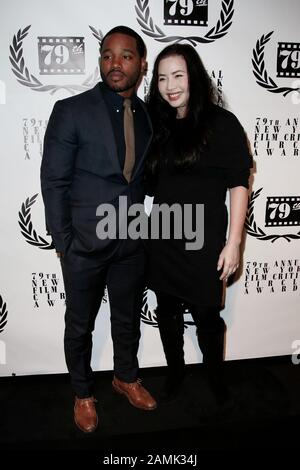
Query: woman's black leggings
[[209, 324]]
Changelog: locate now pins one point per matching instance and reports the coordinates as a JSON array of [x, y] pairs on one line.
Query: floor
[[263, 413]]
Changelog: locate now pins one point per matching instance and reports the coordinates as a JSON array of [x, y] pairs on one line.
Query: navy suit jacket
[[81, 169]]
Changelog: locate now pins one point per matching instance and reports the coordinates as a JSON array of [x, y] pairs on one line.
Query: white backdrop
[[251, 49]]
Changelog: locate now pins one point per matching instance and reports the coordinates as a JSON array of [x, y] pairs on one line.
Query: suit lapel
[[142, 159], [102, 120]]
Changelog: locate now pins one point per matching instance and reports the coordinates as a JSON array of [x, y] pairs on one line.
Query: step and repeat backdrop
[[49, 51]]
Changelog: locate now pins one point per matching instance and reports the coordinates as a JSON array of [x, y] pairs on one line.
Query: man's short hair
[[140, 45]]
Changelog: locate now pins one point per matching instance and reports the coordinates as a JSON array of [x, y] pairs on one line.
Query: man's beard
[[129, 83]]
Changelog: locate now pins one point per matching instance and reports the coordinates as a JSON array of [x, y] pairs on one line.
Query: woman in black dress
[[199, 150]]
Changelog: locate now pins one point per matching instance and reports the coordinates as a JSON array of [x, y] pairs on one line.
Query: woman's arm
[[230, 255]]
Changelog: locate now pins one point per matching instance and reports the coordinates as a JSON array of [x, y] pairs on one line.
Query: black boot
[[172, 387], [217, 384], [211, 343], [171, 329]]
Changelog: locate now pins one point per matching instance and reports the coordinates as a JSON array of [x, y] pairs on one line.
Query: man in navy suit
[[82, 168]]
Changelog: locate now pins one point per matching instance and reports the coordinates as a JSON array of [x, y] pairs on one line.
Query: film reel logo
[[61, 55], [283, 210], [288, 59], [186, 12], [288, 66], [57, 56]]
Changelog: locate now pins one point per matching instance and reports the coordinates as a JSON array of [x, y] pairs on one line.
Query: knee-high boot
[[211, 343], [171, 329]]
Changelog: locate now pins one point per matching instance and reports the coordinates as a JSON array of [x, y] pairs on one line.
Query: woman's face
[[173, 83]]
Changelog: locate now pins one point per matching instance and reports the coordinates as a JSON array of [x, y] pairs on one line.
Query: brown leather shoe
[[85, 415], [137, 395]]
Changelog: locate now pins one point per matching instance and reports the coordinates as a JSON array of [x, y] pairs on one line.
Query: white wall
[[262, 316]]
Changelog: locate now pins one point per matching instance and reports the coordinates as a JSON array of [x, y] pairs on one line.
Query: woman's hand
[[230, 255], [229, 259]]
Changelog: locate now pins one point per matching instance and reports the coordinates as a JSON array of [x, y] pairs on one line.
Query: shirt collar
[[114, 99]]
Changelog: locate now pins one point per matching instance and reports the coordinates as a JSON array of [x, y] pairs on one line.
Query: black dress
[[225, 162]]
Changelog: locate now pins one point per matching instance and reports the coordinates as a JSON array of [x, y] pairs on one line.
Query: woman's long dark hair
[[163, 116]]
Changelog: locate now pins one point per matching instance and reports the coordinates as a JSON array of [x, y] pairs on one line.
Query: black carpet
[[263, 413]]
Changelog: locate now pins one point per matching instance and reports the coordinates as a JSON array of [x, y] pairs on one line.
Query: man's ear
[[144, 67]]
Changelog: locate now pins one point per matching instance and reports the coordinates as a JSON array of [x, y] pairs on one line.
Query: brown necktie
[[129, 139]]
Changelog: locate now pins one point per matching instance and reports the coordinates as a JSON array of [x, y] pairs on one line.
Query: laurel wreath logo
[[150, 29], [259, 70], [257, 232], [3, 314], [149, 317], [28, 79], [27, 229]]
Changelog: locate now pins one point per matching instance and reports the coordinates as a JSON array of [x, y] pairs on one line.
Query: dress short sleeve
[[230, 149], [237, 177]]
